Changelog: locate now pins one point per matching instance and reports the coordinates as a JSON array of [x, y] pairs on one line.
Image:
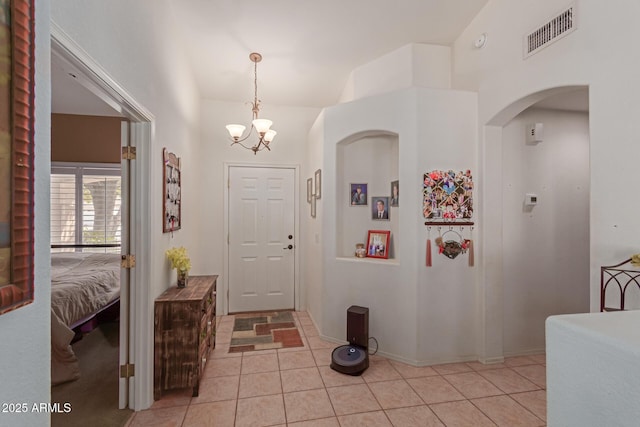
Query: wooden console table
[[184, 324]]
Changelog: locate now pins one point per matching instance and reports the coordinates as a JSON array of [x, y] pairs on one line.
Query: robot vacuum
[[353, 358]]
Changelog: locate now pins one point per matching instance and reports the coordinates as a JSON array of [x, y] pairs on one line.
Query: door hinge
[[127, 371], [128, 153], [128, 261]]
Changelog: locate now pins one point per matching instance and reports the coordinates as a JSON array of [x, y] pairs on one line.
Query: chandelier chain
[[256, 103]]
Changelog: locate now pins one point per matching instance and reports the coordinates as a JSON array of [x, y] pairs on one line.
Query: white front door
[[261, 240]]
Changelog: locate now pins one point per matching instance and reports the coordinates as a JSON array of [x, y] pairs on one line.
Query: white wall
[[311, 228], [387, 287], [289, 147], [421, 65], [596, 54], [546, 258], [410, 308], [25, 358], [447, 291]]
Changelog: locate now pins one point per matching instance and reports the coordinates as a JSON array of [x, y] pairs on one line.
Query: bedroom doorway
[[262, 236], [95, 83]]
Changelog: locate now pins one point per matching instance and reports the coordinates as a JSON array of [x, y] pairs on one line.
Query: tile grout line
[[376, 398], [509, 396], [300, 327]]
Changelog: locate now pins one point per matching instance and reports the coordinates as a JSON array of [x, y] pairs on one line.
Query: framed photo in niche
[[358, 194], [380, 208], [378, 244], [171, 192], [395, 194], [16, 154]]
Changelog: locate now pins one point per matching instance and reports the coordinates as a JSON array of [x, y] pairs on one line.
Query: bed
[[82, 285]]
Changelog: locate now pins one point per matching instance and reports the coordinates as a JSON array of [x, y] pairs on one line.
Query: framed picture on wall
[[378, 244], [17, 155], [171, 192], [395, 193], [358, 194], [309, 189], [318, 181], [380, 208]]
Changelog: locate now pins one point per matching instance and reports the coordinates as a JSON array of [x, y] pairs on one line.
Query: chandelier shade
[[236, 131], [262, 126]]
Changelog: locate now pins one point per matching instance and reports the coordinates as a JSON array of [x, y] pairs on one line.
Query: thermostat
[[535, 132], [530, 199]]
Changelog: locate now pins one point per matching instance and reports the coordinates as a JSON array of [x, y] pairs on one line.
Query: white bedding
[[81, 284]]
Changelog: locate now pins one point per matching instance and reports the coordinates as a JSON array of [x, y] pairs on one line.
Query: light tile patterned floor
[[296, 387]]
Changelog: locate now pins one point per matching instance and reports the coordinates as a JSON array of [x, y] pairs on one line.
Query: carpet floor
[[264, 331], [94, 396]]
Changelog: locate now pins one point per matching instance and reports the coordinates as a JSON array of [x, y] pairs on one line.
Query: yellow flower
[[179, 258], [635, 260]]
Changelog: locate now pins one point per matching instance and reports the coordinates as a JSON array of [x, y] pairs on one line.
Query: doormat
[[264, 331]]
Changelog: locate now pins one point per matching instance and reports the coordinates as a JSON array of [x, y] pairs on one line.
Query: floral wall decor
[[448, 195]]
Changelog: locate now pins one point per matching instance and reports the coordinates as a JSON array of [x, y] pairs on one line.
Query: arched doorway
[[536, 259]]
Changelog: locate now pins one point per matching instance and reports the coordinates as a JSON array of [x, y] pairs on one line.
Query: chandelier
[[262, 126]]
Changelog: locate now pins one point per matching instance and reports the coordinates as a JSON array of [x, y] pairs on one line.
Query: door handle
[[289, 247]]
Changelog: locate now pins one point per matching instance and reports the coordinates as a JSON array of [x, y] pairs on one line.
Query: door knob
[[289, 247]]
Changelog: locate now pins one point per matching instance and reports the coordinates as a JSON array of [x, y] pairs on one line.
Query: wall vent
[[553, 30]]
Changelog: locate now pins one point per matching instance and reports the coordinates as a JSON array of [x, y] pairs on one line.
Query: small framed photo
[[313, 206], [395, 193], [358, 194], [378, 244], [318, 179], [309, 189], [380, 208]]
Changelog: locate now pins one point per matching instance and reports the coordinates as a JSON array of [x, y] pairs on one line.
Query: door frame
[[223, 303], [92, 76]]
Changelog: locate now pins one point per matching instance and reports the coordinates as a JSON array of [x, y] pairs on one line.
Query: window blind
[[85, 207]]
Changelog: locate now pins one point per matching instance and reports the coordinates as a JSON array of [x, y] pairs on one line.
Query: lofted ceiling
[[309, 49]]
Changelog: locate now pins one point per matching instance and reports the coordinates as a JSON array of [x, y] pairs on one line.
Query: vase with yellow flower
[[181, 262]]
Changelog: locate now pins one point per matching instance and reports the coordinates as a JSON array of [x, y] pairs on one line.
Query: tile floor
[[296, 387]]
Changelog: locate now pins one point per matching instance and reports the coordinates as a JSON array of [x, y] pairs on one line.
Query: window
[[85, 207]]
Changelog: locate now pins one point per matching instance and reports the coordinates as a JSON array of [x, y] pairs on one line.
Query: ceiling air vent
[[558, 27]]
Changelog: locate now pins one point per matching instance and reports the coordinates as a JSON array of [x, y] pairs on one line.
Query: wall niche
[[369, 158]]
